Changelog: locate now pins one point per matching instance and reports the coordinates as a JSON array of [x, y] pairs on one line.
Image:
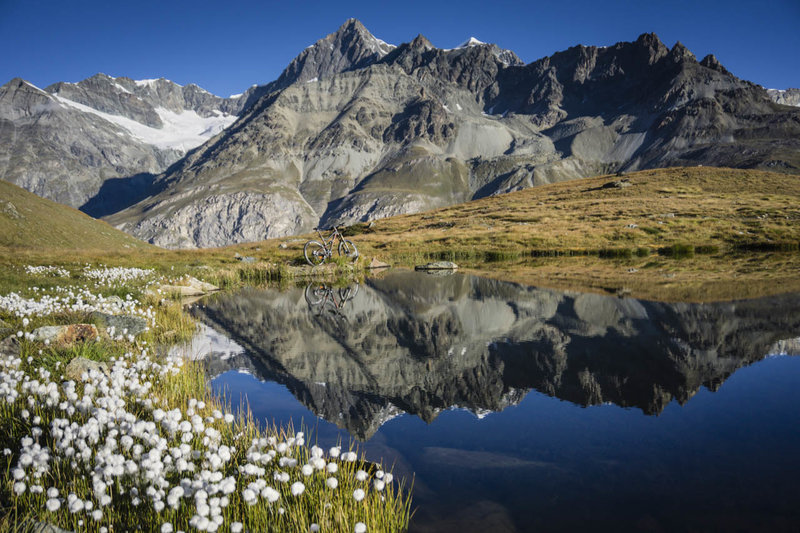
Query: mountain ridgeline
[[356, 129]]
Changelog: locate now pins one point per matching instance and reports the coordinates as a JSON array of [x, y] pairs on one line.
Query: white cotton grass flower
[[298, 488], [166, 527], [53, 504], [359, 494], [379, 484], [271, 494], [236, 527], [350, 457], [361, 475], [361, 527], [332, 482]]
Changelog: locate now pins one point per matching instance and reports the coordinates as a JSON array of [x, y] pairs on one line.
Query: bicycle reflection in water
[[327, 303]]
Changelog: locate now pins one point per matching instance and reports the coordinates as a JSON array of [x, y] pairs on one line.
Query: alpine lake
[[515, 408]]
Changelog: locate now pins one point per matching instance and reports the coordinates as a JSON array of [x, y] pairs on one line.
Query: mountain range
[[357, 129]]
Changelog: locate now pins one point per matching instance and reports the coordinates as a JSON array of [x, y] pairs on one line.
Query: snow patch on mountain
[[181, 131], [150, 82]]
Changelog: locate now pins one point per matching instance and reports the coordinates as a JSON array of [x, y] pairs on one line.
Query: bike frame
[[328, 243]]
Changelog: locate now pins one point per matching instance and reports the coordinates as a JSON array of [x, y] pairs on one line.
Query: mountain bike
[[317, 252], [317, 293], [325, 306]]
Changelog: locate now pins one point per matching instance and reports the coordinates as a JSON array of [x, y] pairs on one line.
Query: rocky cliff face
[[421, 344], [98, 143], [785, 97], [357, 130]]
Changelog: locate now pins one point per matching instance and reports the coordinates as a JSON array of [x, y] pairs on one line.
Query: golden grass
[[713, 211]]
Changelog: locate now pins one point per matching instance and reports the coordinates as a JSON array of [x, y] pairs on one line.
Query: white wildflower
[[298, 488]]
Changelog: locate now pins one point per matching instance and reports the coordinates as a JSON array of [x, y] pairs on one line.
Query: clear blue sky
[[227, 46]]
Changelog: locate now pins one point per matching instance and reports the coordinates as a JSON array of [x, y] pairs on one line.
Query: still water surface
[[525, 409]]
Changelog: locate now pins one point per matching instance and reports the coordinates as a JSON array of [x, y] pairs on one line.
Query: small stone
[[246, 259], [180, 290], [283, 246], [81, 365], [5, 329], [66, 335], [377, 263], [201, 285], [11, 210], [438, 265], [617, 184], [135, 325], [10, 346], [115, 300], [43, 527]]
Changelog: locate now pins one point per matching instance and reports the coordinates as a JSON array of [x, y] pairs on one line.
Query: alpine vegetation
[[134, 438]]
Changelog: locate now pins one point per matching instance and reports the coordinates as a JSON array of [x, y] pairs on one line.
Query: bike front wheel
[[314, 253], [348, 249]]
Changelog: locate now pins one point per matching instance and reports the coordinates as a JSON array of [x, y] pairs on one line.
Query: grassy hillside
[[698, 208], [668, 234], [30, 222]]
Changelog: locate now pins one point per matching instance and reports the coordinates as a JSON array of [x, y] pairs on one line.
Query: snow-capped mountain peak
[[472, 41]]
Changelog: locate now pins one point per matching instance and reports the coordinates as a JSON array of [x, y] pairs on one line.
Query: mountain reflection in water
[[411, 343], [420, 344]]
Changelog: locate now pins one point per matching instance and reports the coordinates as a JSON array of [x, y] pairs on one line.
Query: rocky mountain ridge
[[98, 143], [356, 129], [417, 127]]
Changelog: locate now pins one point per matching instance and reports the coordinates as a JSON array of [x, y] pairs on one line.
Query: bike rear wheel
[[348, 250], [314, 253]]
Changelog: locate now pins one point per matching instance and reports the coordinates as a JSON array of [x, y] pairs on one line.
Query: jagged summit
[[680, 53], [350, 47], [711, 61]]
